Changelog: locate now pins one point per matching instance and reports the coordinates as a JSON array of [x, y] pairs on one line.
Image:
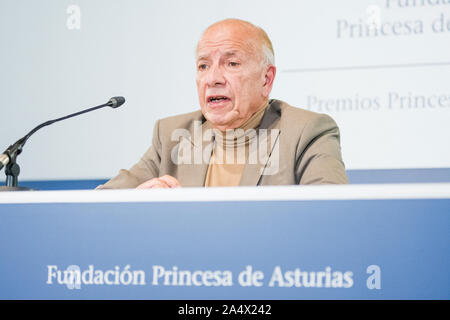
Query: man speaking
[[239, 137]]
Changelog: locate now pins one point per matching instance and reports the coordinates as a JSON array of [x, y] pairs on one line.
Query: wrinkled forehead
[[227, 40]]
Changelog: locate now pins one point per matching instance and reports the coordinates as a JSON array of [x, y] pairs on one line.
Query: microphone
[[116, 102], [8, 158], [4, 159]]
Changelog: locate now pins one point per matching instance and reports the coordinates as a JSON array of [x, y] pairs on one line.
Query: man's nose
[[215, 77]]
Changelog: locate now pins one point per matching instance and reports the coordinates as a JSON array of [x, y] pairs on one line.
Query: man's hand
[[161, 182]]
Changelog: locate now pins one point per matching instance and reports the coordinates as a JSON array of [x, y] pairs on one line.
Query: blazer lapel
[[270, 122], [200, 141]]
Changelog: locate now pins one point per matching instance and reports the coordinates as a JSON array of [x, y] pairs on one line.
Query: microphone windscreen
[[116, 102]]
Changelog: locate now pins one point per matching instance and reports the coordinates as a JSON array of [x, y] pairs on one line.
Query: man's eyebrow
[[202, 57], [230, 53]]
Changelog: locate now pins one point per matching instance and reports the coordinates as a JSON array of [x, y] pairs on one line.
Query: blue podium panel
[[329, 243]]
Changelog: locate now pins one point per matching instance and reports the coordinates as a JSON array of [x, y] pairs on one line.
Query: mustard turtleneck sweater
[[230, 153]]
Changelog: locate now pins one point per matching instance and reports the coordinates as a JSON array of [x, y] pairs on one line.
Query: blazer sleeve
[[146, 169], [319, 159]]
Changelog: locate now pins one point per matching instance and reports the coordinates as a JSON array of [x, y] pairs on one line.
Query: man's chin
[[215, 115], [217, 120]]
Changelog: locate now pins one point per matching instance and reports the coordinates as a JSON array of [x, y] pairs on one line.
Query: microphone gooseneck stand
[[12, 171], [9, 157]]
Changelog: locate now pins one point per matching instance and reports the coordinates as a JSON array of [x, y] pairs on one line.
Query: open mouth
[[217, 99]]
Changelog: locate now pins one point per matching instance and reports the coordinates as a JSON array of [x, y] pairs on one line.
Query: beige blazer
[[303, 148]]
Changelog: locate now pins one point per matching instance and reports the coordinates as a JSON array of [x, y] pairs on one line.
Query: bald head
[[255, 37], [235, 72]]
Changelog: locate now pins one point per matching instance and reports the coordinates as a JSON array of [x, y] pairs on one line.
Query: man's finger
[[171, 181], [153, 183]]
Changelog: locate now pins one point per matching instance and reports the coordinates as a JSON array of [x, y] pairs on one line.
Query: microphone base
[[5, 188]]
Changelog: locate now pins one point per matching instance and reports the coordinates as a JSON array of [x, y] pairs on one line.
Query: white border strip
[[269, 193]]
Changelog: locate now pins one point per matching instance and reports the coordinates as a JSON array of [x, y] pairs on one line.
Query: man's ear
[[269, 77]]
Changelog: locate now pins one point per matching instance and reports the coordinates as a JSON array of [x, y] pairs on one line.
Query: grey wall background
[[144, 50]]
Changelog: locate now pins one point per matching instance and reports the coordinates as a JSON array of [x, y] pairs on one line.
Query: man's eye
[[202, 67], [233, 64]]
